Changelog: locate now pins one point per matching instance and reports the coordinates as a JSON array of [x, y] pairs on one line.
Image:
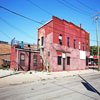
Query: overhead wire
[[76, 7], [71, 7], [39, 7], [5, 34], [86, 6], [30, 18], [20, 15], [47, 12], [16, 28]]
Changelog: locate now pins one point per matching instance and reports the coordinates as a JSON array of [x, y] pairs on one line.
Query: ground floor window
[[34, 60], [22, 59], [59, 60], [68, 60], [86, 61]]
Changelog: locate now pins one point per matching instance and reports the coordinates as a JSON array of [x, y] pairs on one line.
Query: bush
[[30, 72]]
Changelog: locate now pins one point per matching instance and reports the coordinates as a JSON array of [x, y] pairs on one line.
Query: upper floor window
[[34, 60], [38, 43], [48, 53], [22, 59], [60, 39], [74, 44], [42, 41], [79, 45], [87, 47], [68, 41], [83, 46]]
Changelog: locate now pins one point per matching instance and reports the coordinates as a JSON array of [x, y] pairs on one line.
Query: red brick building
[[25, 59], [4, 52], [63, 45]]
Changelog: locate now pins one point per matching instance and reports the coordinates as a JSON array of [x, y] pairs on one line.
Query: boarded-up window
[[68, 41], [86, 61], [22, 59], [68, 60], [34, 60], [59, 60], [83, 46], [42, 41], [74, 44]]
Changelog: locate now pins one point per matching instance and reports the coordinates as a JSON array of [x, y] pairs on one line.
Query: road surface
[[80, 87]]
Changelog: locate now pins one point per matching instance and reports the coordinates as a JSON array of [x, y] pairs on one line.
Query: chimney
[[80, 25]]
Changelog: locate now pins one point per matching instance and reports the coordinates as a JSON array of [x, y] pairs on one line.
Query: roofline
[[76, 26], [63, 21], [1, 54], [27, 50], [45, 23]]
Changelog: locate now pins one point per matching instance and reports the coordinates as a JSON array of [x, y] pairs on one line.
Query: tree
[[93, 50]]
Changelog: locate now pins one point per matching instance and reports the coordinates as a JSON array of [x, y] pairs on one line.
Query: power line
[[14, 27], [47, 12], [39, 7], [36, 21], [5, 34], [76, 7], [20, 15], [86, 6], [31, 2], [71, 7], [24, 17]]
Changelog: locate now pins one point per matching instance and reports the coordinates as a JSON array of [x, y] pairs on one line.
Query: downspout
[[29, 63], [17, 59]]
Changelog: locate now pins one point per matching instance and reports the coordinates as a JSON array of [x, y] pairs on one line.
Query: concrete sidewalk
[[32, 76], [6, 73]]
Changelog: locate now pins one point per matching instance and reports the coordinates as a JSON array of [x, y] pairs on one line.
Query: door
[[63, 63]]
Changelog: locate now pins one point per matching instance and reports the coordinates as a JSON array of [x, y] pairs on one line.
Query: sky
[[41, 11]]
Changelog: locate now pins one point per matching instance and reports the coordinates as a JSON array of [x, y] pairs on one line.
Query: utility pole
[[96, 18]]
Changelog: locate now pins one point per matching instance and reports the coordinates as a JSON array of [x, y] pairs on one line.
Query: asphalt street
[[80, 87]]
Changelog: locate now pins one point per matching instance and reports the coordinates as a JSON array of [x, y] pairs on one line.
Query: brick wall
[[4, 48]]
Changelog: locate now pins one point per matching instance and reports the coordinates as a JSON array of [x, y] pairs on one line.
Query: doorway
[[63, 63]]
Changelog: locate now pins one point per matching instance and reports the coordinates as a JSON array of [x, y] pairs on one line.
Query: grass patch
[[4, 68]]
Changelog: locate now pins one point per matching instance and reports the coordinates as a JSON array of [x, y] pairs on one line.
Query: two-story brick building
[[63, 45]]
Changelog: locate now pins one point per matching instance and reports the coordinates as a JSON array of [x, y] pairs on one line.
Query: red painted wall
[[14, 64], [51, 44]]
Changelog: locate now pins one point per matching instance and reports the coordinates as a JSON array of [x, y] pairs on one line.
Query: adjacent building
[[25, 58], [63, 45], [5, 53]]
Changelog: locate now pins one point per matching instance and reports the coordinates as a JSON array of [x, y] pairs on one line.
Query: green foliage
[[4, 68], [94, 50], [30, 72]]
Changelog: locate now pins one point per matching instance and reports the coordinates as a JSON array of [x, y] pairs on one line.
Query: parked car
[[6, 63]]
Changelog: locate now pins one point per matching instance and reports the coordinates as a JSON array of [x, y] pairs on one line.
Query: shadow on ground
[[88, 86], [10, 75]]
